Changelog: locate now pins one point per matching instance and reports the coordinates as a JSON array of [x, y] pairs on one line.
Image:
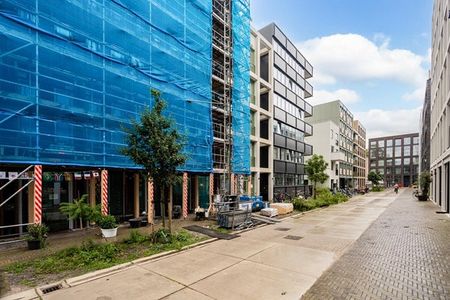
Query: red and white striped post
[[37, 194], [104, 180], [211, 188], [185, 195], [150, 201]]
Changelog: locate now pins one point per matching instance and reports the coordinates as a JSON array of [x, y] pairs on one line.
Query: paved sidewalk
[[405, 254], [280, 261]]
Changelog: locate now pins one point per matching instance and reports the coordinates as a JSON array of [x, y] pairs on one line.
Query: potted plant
[[108, 225], [424, 180], [37, 236], [78, 210]]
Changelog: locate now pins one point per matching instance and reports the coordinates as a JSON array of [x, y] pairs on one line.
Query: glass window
[[416, 160], [398, 171], [416, 150], [381, 144], [373, 163], [398, 142], [373, 144], [407, 151], [398, 161], [389, 143], [389, 162], [381, 163], [416, 140], [398, 151], [406, 161], [407, 141], [381, 153], [389, 152]]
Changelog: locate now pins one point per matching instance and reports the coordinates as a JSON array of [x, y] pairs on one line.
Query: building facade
[[395, 158], [74, 73], [329, 149], [440, 105], [261, 111], [339, 114], [290, 89], [425, 130], [359, 155]]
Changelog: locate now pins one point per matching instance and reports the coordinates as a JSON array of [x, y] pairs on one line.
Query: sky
[[374, 55]]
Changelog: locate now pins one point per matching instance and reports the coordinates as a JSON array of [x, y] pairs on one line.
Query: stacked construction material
[[283, 208]]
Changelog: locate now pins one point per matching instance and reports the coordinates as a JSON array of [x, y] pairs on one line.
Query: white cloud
[[345, 95], [416, 95], [390, 122], [352, 57]]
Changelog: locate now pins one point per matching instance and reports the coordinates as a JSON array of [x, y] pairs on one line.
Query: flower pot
[[109, 233], [422, 197], [34, 244]]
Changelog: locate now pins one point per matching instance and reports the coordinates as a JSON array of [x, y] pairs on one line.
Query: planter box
[[34, 244], [109, 233], [135, 223], [422, 197]]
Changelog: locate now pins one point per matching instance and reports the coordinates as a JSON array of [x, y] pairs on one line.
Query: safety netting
[[241, 87], [73, 73]]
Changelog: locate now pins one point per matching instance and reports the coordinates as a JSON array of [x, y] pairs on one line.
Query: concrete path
[[405, 254], [280, 261]]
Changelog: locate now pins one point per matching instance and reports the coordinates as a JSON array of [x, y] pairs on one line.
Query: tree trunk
[[314, 190], [81, 223], [169, 210], [163, 207]]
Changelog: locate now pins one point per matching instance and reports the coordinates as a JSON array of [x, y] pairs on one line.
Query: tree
[[424, 181], [78, 209], [374, 177], [315, 168], [155, 144]]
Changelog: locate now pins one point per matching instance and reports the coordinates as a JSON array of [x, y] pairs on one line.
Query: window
[[389, 152], [398, 171], [398, 142], [373, 144], [407, 141], [398, 161], [416, 150], [389, 162], [381, 163], [389, 143], [380, 144], [407, 151], [406, 161], [398, 151], [416, 140]]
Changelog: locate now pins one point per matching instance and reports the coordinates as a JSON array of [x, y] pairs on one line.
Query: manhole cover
[[293, 237], [282, 229]]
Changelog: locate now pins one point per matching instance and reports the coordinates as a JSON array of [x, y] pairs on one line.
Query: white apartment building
[[440, 104], [261, 110]]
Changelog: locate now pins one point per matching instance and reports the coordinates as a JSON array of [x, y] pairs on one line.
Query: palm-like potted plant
[[37, 236], [108, 225], [78, 210], [424, 181]]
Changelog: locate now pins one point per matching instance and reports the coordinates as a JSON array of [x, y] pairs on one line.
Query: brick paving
[[404, 254]]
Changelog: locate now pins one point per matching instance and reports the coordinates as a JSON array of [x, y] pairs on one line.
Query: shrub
[[106, 222], [377, 189], [324, 198], [162, 236]]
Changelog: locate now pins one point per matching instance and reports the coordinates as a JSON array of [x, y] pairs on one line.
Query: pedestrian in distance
[[396, 188]]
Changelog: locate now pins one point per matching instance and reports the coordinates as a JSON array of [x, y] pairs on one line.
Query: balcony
[[337, 156]]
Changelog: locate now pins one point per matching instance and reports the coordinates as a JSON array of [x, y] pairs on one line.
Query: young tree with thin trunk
[[315, 169], [155, 144]]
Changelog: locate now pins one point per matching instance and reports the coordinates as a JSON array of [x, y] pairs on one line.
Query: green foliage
[[162, 236], [94, 256], [324, 198], [425, 180], [376, 188], [78, 209], [315, 169], [374, 177], [155, 144], [106, 222], [135, 237], [37, 232]]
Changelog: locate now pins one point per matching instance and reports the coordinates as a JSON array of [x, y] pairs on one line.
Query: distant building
[[396, 158], [341, 154], [359, 155], [425, 130], [440, 105]]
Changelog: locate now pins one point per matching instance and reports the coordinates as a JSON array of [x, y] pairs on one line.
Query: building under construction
[[74, 73]]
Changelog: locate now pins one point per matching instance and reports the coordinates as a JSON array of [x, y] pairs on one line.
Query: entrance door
[[406, 181], [203, 189], [264, 186]]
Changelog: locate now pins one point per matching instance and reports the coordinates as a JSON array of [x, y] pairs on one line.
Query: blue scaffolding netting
[[74, 72], [241, 90]]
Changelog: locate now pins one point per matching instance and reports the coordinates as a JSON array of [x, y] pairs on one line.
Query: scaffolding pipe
[[18, 191], [18, 177]]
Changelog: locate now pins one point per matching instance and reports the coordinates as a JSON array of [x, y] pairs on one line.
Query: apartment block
[[425, 130], [359, 155], [342, 162], [290, 89], [74, 73], [261, 110], [440, 104], [395, 158]]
